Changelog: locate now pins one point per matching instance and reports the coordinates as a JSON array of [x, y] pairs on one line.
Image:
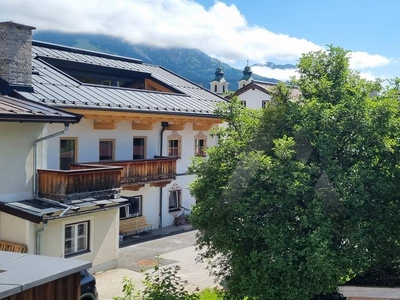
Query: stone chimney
[[16, 53]]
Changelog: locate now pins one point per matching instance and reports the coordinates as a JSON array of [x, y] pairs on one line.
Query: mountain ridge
[[192, 64]]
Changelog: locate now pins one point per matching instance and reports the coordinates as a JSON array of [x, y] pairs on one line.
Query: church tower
[[246, 78], [219, 85]]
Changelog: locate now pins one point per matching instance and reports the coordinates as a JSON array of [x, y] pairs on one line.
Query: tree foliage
[[301, 196]]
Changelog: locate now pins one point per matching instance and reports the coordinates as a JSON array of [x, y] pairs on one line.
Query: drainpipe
[[164, 125], [38, 235], [35, 184]]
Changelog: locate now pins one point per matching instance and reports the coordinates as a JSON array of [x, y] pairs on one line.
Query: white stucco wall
[[88, 151], [103, 227], [17, 230], [254, 98], [16, 159]]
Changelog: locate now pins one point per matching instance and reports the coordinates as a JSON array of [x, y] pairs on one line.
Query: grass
[[209, 294]]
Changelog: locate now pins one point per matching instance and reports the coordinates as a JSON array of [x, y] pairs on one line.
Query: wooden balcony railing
[[81, 182], [142, 171]]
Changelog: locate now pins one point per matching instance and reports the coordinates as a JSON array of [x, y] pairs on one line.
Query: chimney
[[16, 53]]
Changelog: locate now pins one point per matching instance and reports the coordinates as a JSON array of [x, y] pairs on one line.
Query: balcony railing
[[104, 179], [79, 183], [142, 171]]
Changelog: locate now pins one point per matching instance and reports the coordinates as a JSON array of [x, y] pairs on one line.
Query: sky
[[234, 31]]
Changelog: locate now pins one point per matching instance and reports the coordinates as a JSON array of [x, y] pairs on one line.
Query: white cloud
[[279, 74], [362, 60], [220, 31]]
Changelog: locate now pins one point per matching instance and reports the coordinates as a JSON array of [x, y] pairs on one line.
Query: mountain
[[192, 64], [271, 65]]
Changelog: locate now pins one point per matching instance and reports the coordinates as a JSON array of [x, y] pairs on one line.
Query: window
[[200, 143], [174, 144], [173, 148], [243, 103], [76, 238], [133, 209], [139, 147], [174, 200], [67, 152], [264, 103], [215, 88], [106, 149], [223, 89]]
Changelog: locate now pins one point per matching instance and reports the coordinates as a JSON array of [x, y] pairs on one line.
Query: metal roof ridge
[[85, 52]]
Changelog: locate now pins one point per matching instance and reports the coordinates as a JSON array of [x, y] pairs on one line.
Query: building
[[219, 85], [255, 94], [125, 161]]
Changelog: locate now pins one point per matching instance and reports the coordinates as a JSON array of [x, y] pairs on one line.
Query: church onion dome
[[219, 75], [247, 72]]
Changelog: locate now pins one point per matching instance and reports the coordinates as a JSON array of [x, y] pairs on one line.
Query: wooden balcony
[[158, 171], [105, 179], [85, 181]]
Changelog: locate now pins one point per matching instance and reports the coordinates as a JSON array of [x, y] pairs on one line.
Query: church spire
[[247, 76], [219, 85]]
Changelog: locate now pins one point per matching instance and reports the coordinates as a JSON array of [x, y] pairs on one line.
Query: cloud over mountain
[[220, 31]]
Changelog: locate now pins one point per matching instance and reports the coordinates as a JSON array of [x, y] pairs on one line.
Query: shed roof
[[39, 210], [22, 271]]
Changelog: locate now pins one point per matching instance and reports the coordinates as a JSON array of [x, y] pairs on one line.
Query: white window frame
[[75, 237], [243, 103]]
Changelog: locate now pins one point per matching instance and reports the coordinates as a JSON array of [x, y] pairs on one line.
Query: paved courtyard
[[177, 249]]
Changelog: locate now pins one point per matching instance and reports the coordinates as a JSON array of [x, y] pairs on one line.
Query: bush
[[161, 284]]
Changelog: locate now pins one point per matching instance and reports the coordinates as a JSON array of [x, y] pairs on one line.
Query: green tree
[[300, 197]]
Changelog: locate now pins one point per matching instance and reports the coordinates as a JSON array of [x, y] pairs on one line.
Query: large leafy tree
[[301, 196]]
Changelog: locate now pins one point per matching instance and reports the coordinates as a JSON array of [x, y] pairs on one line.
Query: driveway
[[176, 249]]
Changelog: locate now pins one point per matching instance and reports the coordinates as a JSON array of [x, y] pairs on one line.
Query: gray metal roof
[[21, 271], [17, 110], [53, 87]]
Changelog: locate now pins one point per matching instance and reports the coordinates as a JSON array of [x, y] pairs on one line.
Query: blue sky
[[233, 31], [352, 24]]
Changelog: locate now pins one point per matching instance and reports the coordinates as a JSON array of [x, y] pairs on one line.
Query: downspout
[[35, 183], [164, 125], [38, 235]]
